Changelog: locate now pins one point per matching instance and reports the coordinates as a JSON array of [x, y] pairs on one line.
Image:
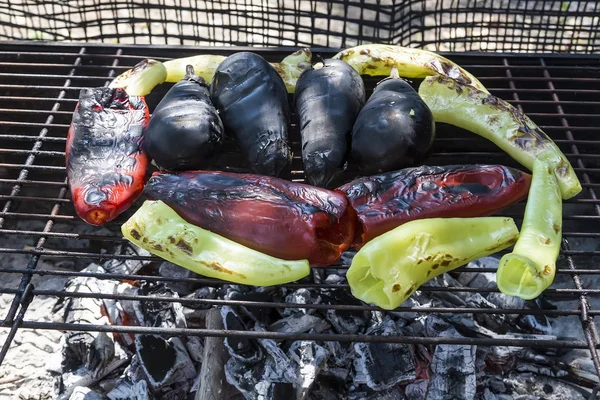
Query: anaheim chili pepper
[[106, 164], [283, 219], [383, 202]]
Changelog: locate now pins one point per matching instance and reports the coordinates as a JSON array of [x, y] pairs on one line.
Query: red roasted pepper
[[106, 164], [283, 219], [386, 201]]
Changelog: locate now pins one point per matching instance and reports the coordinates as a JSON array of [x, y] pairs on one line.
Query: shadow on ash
[[95, 365]]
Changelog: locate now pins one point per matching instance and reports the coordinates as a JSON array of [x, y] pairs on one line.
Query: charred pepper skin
[[386, 201], [105, 160], [252, 101], [185, 131], [283, 219], [328, 99]]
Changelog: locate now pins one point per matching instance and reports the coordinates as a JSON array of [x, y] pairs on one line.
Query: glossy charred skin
[[328, 99], [395, 128], [386, 201], [185, 131], [283, 219], [252, 101], [106, 164]]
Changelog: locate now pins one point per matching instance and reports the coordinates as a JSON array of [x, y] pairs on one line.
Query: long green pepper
[[530, 268], [389, 268]]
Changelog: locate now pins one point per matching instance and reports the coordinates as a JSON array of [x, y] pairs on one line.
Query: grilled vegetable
[[379, 59], [328, 99], [205, 65], [142, 78], [395, 128], [274, 216], [185, 131], [105, 162], [252, 101], [158, 229], [498, 121], [530, 268], [383, 202], [387, 270]]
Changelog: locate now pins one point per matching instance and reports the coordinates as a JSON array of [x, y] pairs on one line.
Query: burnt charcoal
[[126, 389], [416, 390], [211, 383], [309, 358], [537, 386], [327, 388], [205, 292], [344, 322], [435, 325], [535, 324], [126, 266], [299, 323], [501, 300], [261, 294], [195, 348], [580, 366], [88, 356], [258, 379], [482, 280], [496, 322], [164, 362], [302, 296], [171, 270], [164, 314], [501, 359], [84, 393], [384, 365], [335, 279], [448, 299], [453, 371], [242, 349]]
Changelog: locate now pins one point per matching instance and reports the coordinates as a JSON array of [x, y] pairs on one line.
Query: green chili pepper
[[388, 269], [160, 230], [205, 65], [498, 121], [380, 59], [530, 268], [141, 79]]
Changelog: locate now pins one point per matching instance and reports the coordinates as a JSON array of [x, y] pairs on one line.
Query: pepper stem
[[191, 76], [394, 73]]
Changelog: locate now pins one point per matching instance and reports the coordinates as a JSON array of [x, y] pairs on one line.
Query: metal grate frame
[[39, 87]]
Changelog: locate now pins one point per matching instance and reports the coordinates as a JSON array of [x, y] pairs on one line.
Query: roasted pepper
[[142, 78], [158, 229], [283, 219], [383, 202], [379, 59], [498, 121], [387, 270], [530, 268], [106, 164]]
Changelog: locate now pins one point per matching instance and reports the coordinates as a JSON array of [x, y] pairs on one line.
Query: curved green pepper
[[498, 121], [160, 230], [142, 78], [388, 269], [530, 268]]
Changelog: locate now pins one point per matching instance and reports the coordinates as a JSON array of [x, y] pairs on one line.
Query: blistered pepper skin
[[106, 164], [386, 201], [280, 218]]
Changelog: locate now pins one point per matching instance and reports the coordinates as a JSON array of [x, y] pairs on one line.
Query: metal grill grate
[[39, 89]]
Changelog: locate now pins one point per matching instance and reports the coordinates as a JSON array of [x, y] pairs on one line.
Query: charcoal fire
[[147, 366]]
